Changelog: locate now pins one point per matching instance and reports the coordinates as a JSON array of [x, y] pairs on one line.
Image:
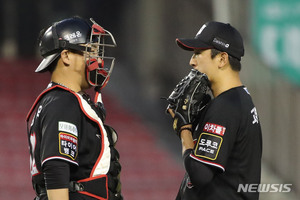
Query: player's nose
[[193, 61]]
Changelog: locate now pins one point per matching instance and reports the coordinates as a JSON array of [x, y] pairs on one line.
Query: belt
[[96, 187], [93, 189]]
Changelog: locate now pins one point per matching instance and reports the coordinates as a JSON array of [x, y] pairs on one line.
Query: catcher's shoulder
[[60, 98]]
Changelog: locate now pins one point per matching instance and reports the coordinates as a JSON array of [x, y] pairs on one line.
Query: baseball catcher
[[72, 150]]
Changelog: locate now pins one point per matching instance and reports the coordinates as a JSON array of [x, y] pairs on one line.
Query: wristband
[[186, 128]]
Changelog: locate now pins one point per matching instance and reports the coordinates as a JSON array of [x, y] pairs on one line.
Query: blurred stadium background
[[148, 66]]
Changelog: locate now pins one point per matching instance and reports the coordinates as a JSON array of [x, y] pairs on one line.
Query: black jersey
[[228, 139], [66, 127]]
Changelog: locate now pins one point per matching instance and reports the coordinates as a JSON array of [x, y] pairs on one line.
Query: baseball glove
[[188, 98]]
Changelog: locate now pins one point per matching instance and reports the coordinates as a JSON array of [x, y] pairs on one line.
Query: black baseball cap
[[215, 35]]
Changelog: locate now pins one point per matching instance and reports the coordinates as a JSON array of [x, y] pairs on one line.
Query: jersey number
[[33, 169]]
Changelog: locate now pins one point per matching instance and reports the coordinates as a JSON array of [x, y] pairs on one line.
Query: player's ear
[[65, 57], [223, 59]]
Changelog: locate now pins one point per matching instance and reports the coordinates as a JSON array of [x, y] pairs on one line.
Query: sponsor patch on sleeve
[[208, 146], [214, 128], [68, 145], [67, 127]]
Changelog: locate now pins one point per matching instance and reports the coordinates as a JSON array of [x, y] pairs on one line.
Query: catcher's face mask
[[98, 66]]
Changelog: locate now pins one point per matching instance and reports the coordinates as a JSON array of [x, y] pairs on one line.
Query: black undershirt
[[57, 174], [200, 174]]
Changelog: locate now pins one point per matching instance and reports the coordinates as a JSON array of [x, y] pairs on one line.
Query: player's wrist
[[186, 129], [186, 126], [187, 140]]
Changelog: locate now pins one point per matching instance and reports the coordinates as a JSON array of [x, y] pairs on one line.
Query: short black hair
[[53, 65], [234, 62]]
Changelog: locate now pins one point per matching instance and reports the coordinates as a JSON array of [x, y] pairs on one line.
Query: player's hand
[[188, 99], [179, 122], [171, 112]]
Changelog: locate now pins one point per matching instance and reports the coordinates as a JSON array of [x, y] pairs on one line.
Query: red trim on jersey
[[96, 96], [93, 178], [38, 99], [36, 174], [81, 107], [102, 135], [207, 162], [92, 195]]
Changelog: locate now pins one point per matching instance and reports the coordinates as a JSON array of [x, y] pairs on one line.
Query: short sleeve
[[60, 122], [217, 133]]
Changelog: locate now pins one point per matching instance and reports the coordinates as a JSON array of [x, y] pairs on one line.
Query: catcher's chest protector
[[96, 185]]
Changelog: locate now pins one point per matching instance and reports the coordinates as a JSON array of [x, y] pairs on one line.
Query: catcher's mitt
[[188, 98]]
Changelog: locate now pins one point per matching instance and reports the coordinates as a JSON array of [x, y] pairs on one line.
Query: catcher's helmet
[[80, 35]]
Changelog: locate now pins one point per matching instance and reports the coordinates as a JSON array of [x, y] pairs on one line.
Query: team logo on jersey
[[68, 145], [214, 128], [208, 146]]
